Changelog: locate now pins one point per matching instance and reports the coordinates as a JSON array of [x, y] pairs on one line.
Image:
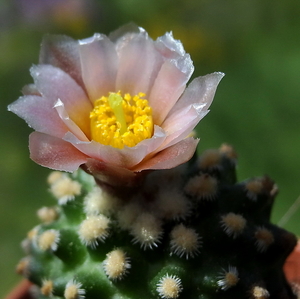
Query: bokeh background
[[256, 108]]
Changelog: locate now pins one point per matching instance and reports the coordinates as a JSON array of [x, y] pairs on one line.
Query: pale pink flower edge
[[68, 80]]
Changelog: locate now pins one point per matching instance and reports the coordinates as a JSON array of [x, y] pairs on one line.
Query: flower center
[[120, 121]]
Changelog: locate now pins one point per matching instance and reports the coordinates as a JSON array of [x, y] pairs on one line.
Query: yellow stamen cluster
[[121, 121]]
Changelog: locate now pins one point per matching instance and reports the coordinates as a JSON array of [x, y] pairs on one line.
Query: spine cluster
[[188, 232]]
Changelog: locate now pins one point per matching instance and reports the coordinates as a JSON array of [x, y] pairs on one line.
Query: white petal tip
[[219, 74], [89, 40]]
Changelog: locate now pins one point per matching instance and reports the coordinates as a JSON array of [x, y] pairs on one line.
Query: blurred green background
[[256, 108]]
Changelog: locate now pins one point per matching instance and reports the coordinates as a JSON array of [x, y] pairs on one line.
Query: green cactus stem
[[189, 232]]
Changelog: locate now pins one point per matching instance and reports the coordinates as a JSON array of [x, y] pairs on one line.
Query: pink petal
[[55, 84], [54, 153], [127, 157], [190, 108], [172, 49], [181, 125], [138, 65], [64, 116], [99, 63], [172, 77], [39, 113], [62, 51], [200, 91], [168, 86], [30, 89], [171, 156], [156, 141], [122, 33], [111, 175]]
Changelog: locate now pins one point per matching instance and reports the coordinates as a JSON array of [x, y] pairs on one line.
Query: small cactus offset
[[189, 232]]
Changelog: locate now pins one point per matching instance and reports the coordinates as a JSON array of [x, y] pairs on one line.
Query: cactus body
[[190, 232]]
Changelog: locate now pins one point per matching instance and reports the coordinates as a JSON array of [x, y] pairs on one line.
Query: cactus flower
[[114, 105]]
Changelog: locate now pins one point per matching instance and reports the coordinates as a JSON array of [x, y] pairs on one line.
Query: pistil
[[116, 104]]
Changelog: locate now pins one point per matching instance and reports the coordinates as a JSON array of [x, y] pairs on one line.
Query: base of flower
[[119, 182]]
